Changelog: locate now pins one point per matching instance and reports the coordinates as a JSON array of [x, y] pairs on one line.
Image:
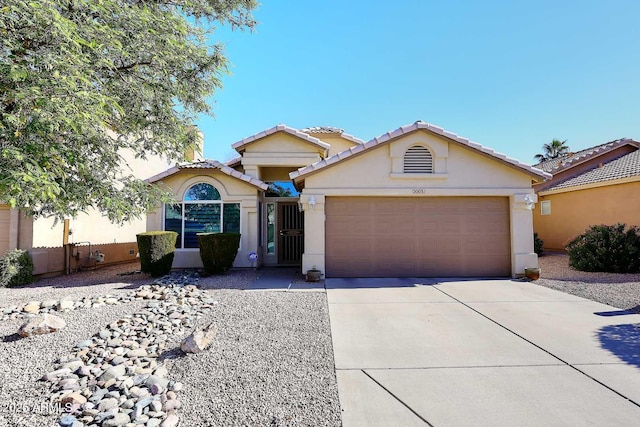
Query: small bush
[[537, 244], [157, 249], [16, 268], [609, 248], [218, 250]]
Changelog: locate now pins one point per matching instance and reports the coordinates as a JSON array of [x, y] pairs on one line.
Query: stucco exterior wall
[[279, 149], [231, 190], [459, 172], [574, 211], [338, 143]]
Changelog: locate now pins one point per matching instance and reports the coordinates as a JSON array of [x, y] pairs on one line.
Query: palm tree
[[554, 150]]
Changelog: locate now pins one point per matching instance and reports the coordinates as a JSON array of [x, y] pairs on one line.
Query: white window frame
[[182, 204], [545, 207]]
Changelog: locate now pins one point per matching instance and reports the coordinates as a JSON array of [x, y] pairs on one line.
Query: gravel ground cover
[[271, 363], [24, 400], [273, 367], [110, 280], [618, 290]]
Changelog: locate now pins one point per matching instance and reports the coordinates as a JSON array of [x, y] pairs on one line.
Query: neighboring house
[[418, 201], [598, 185], [87, 235]]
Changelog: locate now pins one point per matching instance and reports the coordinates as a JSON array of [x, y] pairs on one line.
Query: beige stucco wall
[[279, 150], [275, 173], [231, 190], [574, 211], [459, 172], [338, 143]]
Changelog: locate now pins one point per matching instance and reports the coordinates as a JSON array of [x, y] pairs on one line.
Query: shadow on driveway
[[623, 341], [396, 282]]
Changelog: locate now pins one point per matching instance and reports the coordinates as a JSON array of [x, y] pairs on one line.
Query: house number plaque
[[419, 191]]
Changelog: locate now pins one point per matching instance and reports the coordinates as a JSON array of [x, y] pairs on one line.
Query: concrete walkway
[[481, 353]]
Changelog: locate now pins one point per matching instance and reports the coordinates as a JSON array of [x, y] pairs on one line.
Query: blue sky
[[511, 75]]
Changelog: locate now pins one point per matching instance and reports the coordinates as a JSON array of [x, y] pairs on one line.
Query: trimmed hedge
[[538, 243], [16, 268], [157, 249], [218, 250], [608, 248]]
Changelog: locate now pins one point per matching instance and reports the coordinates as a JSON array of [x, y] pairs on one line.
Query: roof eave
[[406, 130]]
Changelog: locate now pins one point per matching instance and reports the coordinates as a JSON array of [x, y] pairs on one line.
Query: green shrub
[[156, 249], [16, 268], [609, 248], [537, 244], [218, 250]]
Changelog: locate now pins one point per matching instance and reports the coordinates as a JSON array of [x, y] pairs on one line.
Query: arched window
[[418, 159], [201, 211]]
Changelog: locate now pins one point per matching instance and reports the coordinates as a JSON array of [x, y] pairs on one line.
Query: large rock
[[41, 325], [65, 305], [113, 372], [32, 307], [199, 340]]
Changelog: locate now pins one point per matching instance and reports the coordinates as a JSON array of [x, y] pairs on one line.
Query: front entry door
[[290, 233]]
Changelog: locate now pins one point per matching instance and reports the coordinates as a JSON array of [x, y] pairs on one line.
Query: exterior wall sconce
[[312, 202], [528, 201]]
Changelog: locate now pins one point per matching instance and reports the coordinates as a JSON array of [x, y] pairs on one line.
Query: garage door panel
[[422, 236]]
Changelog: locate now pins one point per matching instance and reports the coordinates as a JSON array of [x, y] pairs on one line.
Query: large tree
[[81, 80], [553, 150]]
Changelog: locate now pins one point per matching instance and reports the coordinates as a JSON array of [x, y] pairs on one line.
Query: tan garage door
[[4, 228], [417, 237]]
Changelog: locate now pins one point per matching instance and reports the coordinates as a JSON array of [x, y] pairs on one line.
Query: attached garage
[[418, 201], [417, 236]]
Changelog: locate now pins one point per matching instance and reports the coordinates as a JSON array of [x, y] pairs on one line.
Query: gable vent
[[418, 159]]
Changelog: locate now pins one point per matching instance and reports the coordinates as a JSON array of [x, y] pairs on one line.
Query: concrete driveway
[[481, 352]]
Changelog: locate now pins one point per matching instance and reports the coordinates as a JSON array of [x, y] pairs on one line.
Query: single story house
[[597, 185], [418, 201]]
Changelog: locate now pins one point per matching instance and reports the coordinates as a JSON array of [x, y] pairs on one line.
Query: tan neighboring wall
[[231, 190], [572, 212], [458, 172]]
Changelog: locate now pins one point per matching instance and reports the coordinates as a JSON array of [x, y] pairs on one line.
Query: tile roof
[[321, 129], [623, 167], [209, 164], [296, 175], [569, 160], [240, 145], [332, 130], [234, 162]]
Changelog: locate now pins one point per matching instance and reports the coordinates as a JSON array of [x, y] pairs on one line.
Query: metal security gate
[[290, 233]]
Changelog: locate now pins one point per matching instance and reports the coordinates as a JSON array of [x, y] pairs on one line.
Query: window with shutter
[[418, 159]]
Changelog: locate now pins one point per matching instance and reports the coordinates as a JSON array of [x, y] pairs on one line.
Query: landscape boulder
[[41, 325], [199, 340]]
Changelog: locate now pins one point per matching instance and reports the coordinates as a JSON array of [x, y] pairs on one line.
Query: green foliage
[[82, 82], [157, 249], [610, 248], [16, 268], [554, 150], [218, 251], [538, 243]]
